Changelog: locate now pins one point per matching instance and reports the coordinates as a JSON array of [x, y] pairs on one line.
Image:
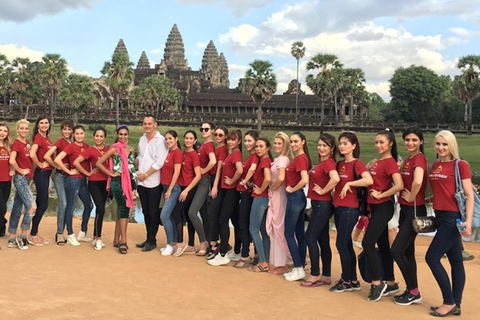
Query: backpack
[[362, 194]]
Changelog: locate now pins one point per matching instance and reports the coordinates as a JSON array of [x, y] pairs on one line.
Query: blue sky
[[377, 36]]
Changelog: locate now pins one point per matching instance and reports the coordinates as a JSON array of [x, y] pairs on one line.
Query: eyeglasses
[[204, 129], [220, 135]]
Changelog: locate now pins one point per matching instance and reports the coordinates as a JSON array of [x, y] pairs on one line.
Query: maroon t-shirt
[[229, 168], [298, 165], [73, 151], [168, 169], [190, 160], [203, 153], [382, 172], [408, 172], [442, 181], [44, 144], [252, 158], [61, 144], [345, 172], [259, 176], [320, 175], [220, 154], [23, 156], [92, 155], [5, 165]]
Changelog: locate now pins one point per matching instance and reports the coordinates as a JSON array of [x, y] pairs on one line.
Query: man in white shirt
[[152, 154]]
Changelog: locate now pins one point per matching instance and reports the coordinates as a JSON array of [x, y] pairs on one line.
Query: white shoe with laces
[[72, 240], [297, 274], [234, 256], [168, 250], [99, 244], [82, 236], [219, 260]]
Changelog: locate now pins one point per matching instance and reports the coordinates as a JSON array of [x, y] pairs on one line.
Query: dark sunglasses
[[204, 129], [221, 135]]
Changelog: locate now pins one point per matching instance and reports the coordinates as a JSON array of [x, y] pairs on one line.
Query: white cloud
[[381, 88], [156, 51], [12, 51], [460, 31], [237, 68], [239, 7], [201, 45], [240, 35]]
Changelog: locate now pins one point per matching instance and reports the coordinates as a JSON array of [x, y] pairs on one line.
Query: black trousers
[[150, 199], [229, 205], [98, 191], [180, 213], [5, 188]]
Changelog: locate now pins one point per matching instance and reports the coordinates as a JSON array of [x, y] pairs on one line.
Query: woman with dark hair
[[76, 185], [6, 173], [120, 170], [447, 240], [412, 203], [353, 174], [41, 177], [296, 180], [387, 181], [322, 180], [97, 181], [232, 169]]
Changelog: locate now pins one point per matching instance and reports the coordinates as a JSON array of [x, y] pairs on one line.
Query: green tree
[[76, 91], [120, 76], [52, 72], [20, 78], [467, 85], [377, 107], [261, 84], [4, 76], [298, 52], [353, 86], [157, 91]]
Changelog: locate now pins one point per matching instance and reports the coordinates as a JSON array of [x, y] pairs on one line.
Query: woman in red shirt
[[387, 181], [5, 173], [232, 169], [321, 181], [447, 240], [190, 175], [296, 180], [41, 177], [97, 181]]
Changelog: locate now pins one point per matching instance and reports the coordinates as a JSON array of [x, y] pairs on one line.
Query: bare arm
[[61, 165], [211, 163], [104, 158], [176, 173], [280, 179], [397, 187], [218, 174], [266, 181], [15, 166], [468, 189], [410, 196], [48, 156], [196, 179], [33, 156], [334, 179], [302, 183], [236, 175]]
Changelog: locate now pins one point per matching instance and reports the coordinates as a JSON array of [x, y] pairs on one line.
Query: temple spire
[[143, 62], [121, 47], [174, 55]]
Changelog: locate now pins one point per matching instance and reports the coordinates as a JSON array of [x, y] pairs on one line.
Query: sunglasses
[[204, 129], [221, 135]]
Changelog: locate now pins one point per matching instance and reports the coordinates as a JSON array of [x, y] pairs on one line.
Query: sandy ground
[[53, 282]]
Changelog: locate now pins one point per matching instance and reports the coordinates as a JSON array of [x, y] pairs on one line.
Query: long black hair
[[174, 134], [329, 140], [78, 126], [416, 131], [35, 129], [267, 144], [352, 138], [305, 146], [195, 145], [391, 137]]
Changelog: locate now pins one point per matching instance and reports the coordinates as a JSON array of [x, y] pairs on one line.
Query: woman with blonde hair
[[5, 173]]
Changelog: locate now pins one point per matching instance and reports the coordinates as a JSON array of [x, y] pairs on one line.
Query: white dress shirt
[[151, 155]]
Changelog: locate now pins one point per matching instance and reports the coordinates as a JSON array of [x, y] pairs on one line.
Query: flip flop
[[316, 283], [258, 268], [241, 264]]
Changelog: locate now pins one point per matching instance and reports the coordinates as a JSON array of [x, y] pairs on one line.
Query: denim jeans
[[262, 244], [74, 187], [59, 183], [448, 241], [345, 221], [295, 227], [23, 198], [42, 182], [168, 220], [317, 234]]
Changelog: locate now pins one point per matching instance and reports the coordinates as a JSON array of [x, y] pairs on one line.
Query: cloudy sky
[[377, 36]]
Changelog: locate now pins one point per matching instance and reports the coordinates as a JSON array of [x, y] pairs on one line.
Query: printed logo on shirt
[[437, 174]]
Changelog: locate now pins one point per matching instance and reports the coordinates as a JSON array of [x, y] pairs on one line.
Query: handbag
[[422, 224], [462, 199]]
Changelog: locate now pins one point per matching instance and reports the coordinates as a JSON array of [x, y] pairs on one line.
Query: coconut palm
[[20, 78], [260, 85], [52, 72], [467, 85], [353, 84], [120, 76], [4, 76], [298, 52], [158, 91], [76, 91]]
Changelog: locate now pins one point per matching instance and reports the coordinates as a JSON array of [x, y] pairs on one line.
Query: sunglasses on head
[[221, 135], [204, 129]]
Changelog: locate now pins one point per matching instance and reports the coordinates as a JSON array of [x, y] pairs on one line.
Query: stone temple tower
[[174, 54], [121, 47], [224, 82], [214, 67], [143, 63]]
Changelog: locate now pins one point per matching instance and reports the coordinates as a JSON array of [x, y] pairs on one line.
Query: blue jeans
[[295, 227], [447, 240], [74, 187], [23, 198], [317, 234], [257, 212], [168, 220], [59, 182], [42, 181], [345, 221]]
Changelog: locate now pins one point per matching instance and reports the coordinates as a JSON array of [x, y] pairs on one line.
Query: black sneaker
[[341, 286], [391, 289], [407, 299], [356, 286], [376, 292], [213, 253], [11, 243]]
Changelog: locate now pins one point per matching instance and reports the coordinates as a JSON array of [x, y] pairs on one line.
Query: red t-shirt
[[44, 144], [229, 168], [92, 155], [381, 173], [320, 176], [61, 144], [23, 156], [190, 160], [259, 176], [73, 151], [298, 165], [407, 173], [5, 165], [345, 172], [203, 153], [442, 181], [166, 173], [220, 154], [252, 158]]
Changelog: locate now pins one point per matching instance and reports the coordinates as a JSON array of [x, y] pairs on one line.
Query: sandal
[[258, 268], [122, 248], [59, 239], [241, 264]]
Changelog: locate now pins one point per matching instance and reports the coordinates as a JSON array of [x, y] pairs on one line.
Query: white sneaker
[[357, 244], [287, 274], [297, 274], [234, 256], [72, 240], [168, 250], [82, 236], [22, 243], [99, 244], [219, 260]]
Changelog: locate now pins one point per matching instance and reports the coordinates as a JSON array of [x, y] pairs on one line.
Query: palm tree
[[120, 77], [52, 72], [353, 79], [20, 78], [468, 85], [260, 85], [4, 76], [298, 52], [76, 91], [157, 91]]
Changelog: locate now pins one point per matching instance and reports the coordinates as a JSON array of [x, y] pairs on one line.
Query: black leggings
[[244, 222], [377, 232], [403, 248], [98, 191], [229, 205], [5, 188], [180, 213]]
